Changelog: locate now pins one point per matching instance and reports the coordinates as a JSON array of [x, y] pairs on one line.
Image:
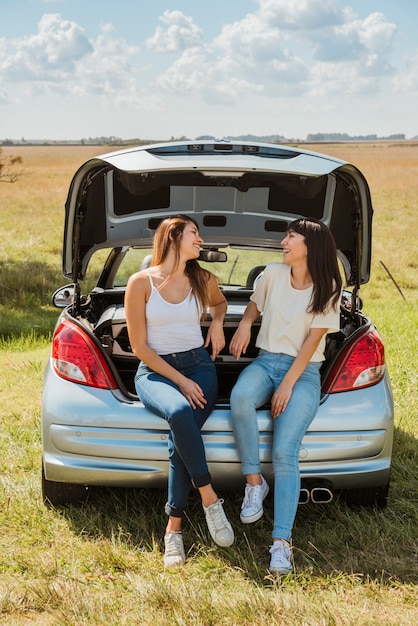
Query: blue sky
[[72, 69]]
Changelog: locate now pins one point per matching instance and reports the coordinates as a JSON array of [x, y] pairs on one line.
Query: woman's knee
[[235, 397], [241, 398], [285, 455], [180, 418]]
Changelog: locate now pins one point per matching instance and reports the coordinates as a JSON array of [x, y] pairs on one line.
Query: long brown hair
[[322, 262], [168, 235]]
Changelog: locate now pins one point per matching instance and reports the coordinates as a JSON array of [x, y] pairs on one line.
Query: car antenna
[[232, 269]]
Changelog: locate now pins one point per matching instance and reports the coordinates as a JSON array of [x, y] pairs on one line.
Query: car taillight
[[75, 357], [361, 364]]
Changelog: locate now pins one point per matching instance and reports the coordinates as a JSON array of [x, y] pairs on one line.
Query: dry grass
[[391, 171], [32, 209]]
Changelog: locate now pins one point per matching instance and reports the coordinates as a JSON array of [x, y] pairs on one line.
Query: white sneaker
[[218, 525], [281, 557], [252, 505], [174, 549]]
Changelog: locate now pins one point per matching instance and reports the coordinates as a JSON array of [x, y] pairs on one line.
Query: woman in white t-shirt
[[176, 377], [300, 303]]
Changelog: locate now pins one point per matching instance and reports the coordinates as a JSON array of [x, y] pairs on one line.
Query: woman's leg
[[253, 388], [186, 450], [289, 429]]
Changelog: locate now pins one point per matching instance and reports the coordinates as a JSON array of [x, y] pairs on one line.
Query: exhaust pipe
[[316, 495], [321, 495], [304, 496]]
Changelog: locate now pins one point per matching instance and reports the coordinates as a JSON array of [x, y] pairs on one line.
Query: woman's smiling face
[[191, 241], [294, 248]]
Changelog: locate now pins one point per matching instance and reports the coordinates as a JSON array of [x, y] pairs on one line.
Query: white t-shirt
[[285, 323]]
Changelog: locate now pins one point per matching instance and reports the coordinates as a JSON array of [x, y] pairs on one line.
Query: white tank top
[[172, 327]]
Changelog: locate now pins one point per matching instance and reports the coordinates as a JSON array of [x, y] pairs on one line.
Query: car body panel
[[109, 439]]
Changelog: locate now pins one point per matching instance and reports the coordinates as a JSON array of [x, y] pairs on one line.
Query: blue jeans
[[185, 447], [255, 387]]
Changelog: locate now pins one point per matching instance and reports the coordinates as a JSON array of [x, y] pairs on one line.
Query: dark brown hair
[[169, 234], [322, 262]]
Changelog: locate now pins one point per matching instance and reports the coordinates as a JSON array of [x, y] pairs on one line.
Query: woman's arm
[[137, 293], [241, 339], [217, 309], [281, 396]]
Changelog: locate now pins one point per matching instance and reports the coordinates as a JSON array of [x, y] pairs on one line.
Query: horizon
[[111, 140]]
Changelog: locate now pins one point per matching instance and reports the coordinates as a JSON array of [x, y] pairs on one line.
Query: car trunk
[[241, 195], [105, 319]]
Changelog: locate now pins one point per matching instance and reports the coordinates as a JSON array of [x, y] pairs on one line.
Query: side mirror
[[63, 296]]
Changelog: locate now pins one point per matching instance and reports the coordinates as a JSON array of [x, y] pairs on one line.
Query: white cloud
[[337, 79], [376, 33], [193, 68], [301, 14], [367, 41], [109, 66], [353, 57], [251, 38], [284, 48], [179, 32], [50, 55], [60, 58], [248, 56]]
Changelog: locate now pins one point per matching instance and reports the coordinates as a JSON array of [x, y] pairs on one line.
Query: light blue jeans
[[185, 446], [254, 388]]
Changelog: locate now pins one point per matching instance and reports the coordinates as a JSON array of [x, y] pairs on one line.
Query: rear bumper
[[118, 473], [92, 437]]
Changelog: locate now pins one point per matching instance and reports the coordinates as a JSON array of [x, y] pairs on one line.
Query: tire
[[58, 494], [370, 497]]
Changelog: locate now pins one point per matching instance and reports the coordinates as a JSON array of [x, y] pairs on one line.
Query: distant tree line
[[263, 138], [117, 141], [325, 137]]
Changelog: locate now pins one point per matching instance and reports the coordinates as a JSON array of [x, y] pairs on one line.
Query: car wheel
[[56, 494], [372, 497]]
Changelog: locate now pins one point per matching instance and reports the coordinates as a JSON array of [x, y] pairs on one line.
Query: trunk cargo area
[[107, 321]]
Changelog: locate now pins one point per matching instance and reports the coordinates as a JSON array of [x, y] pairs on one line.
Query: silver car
[[96, 431]]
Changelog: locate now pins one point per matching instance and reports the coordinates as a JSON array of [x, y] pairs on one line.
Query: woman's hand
[[215, 337], [280, 398], [217, 308], [240, 340], [192, 392], [242, 336]]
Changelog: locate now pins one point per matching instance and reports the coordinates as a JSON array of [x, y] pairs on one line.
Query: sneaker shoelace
[[218, 525], [280, 551], [217, 515], [250, 495], [174, 545]]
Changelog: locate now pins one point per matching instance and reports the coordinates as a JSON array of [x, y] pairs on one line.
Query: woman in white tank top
[[176, 377]]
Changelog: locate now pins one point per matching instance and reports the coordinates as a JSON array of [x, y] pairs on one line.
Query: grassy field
[[102, 563]]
